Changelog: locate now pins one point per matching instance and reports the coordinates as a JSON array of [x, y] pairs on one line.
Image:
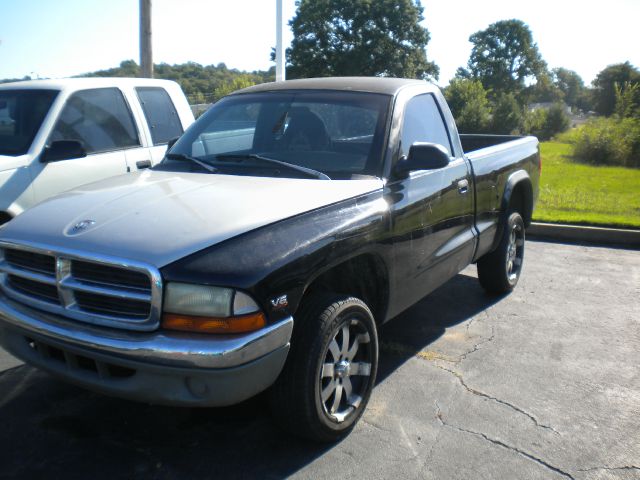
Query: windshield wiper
[[184, 156], [254, 156]]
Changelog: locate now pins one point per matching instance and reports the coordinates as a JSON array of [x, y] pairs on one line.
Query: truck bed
[[473, 141], [494, 159]]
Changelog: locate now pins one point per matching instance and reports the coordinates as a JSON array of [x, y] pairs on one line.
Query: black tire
[[296, 398], [500, 270]]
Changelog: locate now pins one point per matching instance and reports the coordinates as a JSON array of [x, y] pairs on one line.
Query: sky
[[57, 38]]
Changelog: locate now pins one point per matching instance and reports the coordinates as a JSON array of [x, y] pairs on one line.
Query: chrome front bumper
[[159, 367]]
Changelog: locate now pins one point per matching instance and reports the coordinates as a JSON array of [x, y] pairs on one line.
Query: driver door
[[102, 121]]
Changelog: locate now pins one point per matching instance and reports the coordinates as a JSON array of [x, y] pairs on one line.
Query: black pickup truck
[[280, 231]]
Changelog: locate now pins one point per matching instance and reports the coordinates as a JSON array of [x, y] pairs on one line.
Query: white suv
[[58, 134]]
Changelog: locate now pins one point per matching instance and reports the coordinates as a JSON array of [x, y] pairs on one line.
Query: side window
[[160, 113], [99, 118], [423, 123], [231, 131]]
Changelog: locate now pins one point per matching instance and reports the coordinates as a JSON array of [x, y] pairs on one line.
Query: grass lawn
[[571, 192]]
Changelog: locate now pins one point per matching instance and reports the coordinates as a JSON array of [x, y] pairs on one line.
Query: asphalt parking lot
[[543, 383]]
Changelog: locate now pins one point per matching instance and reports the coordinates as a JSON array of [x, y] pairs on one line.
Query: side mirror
[[63, 150], [172, 142], [424, 156]]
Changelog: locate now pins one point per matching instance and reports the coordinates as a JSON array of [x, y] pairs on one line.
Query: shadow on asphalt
[[455, 302], [576, 243], [54, 430]]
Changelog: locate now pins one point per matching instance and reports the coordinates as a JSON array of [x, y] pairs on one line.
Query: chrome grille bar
[[28, 274], [69, 283], [115, 294]]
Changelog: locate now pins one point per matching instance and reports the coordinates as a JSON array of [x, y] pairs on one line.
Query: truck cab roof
[[382, 85]]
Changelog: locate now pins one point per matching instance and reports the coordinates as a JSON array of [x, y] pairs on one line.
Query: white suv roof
[[84, 83]]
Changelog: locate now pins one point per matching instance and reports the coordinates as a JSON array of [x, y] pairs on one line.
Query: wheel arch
[[364, 276], [518, 195]]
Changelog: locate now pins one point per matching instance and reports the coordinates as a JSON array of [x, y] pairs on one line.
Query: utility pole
[[280, 60], [146, 52]]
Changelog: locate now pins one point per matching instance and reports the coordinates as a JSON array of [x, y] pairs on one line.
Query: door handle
[[463, 187], [143, 164]]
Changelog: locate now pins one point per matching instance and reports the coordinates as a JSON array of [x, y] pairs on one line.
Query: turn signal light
[[236, 324]]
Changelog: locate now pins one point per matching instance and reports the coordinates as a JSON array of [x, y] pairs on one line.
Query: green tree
[[507, 115], [570, 84], [543, 91], [127, 68], [237, 83], [469, 105], [557, 120], [503, 57], [199, 82], [359, 37], [627, 100], [604, 92]]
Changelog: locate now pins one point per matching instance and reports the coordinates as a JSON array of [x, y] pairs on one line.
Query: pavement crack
[[499, 443], [626, 467], [437, 439], [478, 393], [477, 346]]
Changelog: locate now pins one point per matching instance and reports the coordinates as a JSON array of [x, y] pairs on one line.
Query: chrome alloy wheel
[[346, 371], [515, 252]]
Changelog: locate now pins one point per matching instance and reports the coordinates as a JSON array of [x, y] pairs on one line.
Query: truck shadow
[[457, 301], [51, 429]]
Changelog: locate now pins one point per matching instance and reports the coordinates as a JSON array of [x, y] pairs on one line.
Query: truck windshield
[[333, 133], [21, 113]]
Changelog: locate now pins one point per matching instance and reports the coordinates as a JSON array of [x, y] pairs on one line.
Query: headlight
[[201, 308]]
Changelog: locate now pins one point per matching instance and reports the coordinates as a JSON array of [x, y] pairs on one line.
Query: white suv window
[[160, 113], [99, 118]]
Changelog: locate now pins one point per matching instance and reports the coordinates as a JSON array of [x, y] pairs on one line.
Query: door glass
[[160, 113], [423, 123], [21, 114], [99, 118]]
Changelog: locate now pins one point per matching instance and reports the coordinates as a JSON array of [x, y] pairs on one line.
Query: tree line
[[504, 77], [200, 83], [497, 91], [505, 88]]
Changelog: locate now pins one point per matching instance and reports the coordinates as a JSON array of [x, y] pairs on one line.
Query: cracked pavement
[[541, 384]]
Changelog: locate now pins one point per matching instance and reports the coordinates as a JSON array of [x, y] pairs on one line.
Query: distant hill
[[198, 82], [201, 84]]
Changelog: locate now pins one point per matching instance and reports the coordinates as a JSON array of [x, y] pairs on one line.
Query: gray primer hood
[[160, 217]]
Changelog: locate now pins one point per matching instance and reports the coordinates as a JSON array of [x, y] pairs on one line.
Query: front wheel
[[330, 371], [500, 270]]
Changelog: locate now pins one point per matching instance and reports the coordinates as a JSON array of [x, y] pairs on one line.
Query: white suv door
[[102, 121]]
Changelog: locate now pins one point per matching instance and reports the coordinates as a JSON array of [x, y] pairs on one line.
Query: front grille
[[114, 306], [35, 262], [107, 275], [110, 293], [42, 291]]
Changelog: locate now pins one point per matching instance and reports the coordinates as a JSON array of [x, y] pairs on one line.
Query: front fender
[[283, 258]]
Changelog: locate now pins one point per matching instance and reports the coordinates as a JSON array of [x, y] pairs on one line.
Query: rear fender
[[520, 183]]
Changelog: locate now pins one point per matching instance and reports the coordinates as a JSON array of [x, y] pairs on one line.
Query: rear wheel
[[500, 270], [330, 371]]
